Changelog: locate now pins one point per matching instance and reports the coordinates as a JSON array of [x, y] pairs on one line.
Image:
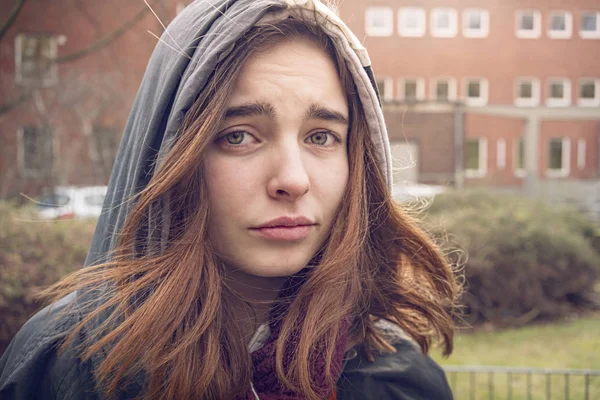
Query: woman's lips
[[284, 233]]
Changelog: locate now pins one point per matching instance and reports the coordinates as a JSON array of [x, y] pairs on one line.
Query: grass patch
[[568, 345]]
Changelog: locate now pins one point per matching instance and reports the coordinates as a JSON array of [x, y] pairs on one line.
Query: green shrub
[[33, 255], [524, 260]]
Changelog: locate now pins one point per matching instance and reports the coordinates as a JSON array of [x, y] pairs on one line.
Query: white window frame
[[519, 172], [388, 88], [449, 32], [485, 23], [581, 154], [501, 154], [483, 159], [566, 159], [420, 87], [595, 102], [568, 32], [387, 14], [451, 88], [535, 91], [566, 100], [589, 35], [482, 100], [405, 31], [537, 25], [52, 78]]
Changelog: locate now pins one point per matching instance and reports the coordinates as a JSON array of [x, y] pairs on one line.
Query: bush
[[525, 260], [34, 255]]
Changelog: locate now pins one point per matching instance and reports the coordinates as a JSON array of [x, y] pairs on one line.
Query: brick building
[[501, 93], [527, 72], [69, 71]]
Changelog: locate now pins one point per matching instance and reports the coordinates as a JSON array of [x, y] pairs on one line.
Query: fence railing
[[513, 383]]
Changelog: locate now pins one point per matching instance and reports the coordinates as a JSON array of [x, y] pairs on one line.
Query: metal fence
[[499, 383]]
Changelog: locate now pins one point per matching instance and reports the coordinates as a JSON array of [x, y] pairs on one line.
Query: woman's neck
[[259, 293]]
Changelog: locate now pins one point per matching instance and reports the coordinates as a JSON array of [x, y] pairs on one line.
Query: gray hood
[[200, 36]]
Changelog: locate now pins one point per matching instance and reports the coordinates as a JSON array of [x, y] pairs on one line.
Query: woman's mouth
[[285, 228], [290, 233]]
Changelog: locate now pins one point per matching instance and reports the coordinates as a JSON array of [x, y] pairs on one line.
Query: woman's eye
[[238, 138], [322, 138], [235, 137]]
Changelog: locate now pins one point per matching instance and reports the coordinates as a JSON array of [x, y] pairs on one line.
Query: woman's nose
[[289, 180]]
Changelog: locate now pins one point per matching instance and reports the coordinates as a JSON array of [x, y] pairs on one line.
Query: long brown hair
[[169, 314]]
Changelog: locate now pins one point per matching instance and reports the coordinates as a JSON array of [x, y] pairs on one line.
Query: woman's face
[[279, 168]]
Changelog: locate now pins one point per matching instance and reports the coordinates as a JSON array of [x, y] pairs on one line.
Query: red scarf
[[265, 380]]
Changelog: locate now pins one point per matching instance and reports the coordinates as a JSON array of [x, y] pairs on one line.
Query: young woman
[[249, 246]]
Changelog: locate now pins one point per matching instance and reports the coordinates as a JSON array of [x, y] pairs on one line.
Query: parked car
[[72, 202]]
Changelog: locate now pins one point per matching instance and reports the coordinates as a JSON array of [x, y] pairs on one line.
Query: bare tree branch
[[11, 17], [15, 102], [93, 47], [106, 40]]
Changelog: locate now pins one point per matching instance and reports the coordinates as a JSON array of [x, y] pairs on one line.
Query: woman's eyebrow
[[316, 111], [251, 109]]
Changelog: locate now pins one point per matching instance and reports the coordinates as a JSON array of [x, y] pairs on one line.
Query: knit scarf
[[265, 380]]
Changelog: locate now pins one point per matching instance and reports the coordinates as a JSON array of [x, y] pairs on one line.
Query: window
[[444, 22], [527, 92], [560, 25], [475, 23], [34, 60], [443, 89], [385, 87], [529, 24], [412, 89], [379, 21], [501, 154], [558, 157], [590, 25], [475, 157], [520, 157], [36, 151], [581, 154], [559, 93], [411, 22], [589, 92], [476, 91]]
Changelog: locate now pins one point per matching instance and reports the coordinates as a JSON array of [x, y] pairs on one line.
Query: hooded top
[[201, 36]]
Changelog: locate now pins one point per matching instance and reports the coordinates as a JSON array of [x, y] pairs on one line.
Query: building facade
[[526, 73], [69, 71], [495, 93]]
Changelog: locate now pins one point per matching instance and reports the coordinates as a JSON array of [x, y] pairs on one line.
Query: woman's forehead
[[295, 71]]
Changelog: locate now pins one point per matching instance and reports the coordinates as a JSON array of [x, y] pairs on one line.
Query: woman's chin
[[270, 270]]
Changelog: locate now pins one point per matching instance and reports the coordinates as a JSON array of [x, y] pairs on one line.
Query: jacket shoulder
[[31, 367], [407, 374]]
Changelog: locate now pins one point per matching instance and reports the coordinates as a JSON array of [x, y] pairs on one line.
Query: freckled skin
[[285, 165]]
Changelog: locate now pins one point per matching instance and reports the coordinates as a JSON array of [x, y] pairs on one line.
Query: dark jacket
[[32, 369]]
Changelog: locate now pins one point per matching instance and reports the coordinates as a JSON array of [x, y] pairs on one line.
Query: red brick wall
[[495, 128], [434, 134], [111, 75], [574, 130], [501, 57]]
